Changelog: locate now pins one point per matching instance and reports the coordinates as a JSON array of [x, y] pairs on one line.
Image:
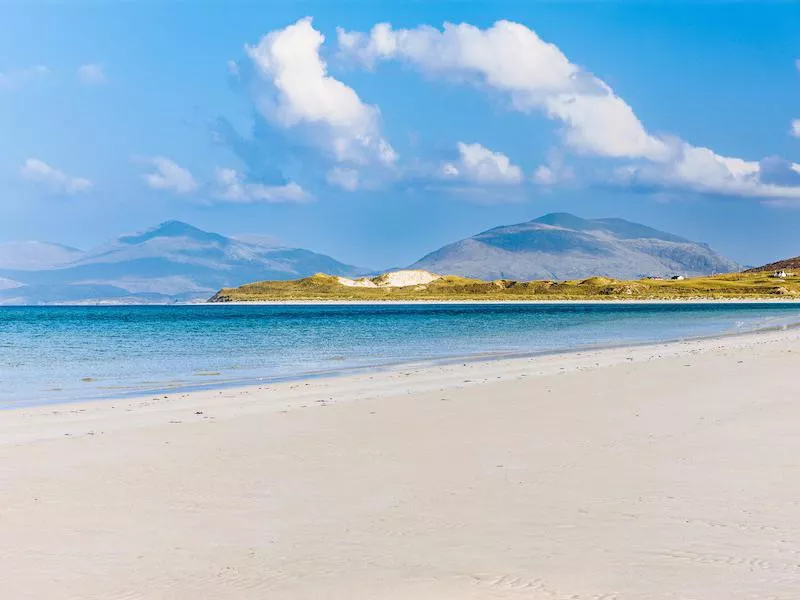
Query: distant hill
[[171, 262], [790, 264], [561, 246]]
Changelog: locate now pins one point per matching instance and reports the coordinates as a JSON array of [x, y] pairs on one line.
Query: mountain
[[790, 264], [36, 255], [171, 262], [563, 246]]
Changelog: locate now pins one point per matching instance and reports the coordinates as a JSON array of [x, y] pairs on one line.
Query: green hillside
[[327, 287]]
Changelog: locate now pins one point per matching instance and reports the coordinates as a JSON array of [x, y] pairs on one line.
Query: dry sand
[[662, 472]]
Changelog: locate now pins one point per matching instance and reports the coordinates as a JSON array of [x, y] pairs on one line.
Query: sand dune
[[664, 472]]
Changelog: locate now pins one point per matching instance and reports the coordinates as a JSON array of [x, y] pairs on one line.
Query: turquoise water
[[56, 354]]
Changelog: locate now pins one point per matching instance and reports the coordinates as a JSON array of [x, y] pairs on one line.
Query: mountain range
[[168, 263], [175, 262], [563, 246]]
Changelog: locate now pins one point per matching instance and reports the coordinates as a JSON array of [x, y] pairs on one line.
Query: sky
[[378, 131]]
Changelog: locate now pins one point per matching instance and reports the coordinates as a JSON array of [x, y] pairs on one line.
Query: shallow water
[[56, 354]]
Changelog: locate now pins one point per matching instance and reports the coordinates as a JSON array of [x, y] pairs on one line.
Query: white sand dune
[[406, 278], [665, 472], [392, 279], [360, 282]]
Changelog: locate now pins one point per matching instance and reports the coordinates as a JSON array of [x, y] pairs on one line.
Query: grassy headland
[[323, 287]]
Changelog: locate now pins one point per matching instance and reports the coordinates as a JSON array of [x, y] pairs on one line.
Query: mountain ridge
[[170, 262], [176, 262], [563, 246]]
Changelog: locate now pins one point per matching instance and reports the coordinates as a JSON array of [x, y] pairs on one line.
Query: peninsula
[[417, 285]]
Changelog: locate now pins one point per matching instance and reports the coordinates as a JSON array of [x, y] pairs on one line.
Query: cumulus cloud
[[299, 94], [702, 170], [92, 74], [596, 120], [56, 181], [535, 75], [479, 164], [232, 187], [170, 176], [12, 80]]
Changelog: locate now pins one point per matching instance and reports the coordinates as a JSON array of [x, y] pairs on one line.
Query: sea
[[51, 355]]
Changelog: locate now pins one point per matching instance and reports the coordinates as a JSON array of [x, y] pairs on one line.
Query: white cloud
[[702, 170], [233, 188], [92, 73], [300, 95], [491, 55], [170, 176], [536, 76], [347, 179], [12, 80], [596, 120], [479, 164], [604, 125], [56, 181]]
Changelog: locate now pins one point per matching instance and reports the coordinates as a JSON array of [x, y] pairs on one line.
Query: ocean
[[57, 354]]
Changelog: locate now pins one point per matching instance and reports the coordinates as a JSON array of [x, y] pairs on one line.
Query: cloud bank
[[594, 121]]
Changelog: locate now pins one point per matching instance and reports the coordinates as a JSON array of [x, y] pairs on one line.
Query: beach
[[664, 471]]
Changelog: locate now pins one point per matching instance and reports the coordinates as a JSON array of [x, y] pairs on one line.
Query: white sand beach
[[655, 472]]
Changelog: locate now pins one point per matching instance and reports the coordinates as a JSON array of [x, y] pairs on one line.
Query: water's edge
[[379, 368]]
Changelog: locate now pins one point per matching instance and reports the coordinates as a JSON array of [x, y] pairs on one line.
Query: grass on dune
[[327, 287]]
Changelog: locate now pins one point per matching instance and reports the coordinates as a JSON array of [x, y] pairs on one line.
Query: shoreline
[[656, 472], [623, 301], [423, 363], [615, 301], [578, 359]]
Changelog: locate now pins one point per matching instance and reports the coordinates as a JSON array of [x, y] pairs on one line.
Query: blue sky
[[381, 144]]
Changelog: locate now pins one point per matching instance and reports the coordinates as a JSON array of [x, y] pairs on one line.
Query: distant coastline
[[477, 301], [418, 286]]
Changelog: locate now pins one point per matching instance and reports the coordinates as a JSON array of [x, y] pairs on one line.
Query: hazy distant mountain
[[173, 261], [563, 246], [36, 255]]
